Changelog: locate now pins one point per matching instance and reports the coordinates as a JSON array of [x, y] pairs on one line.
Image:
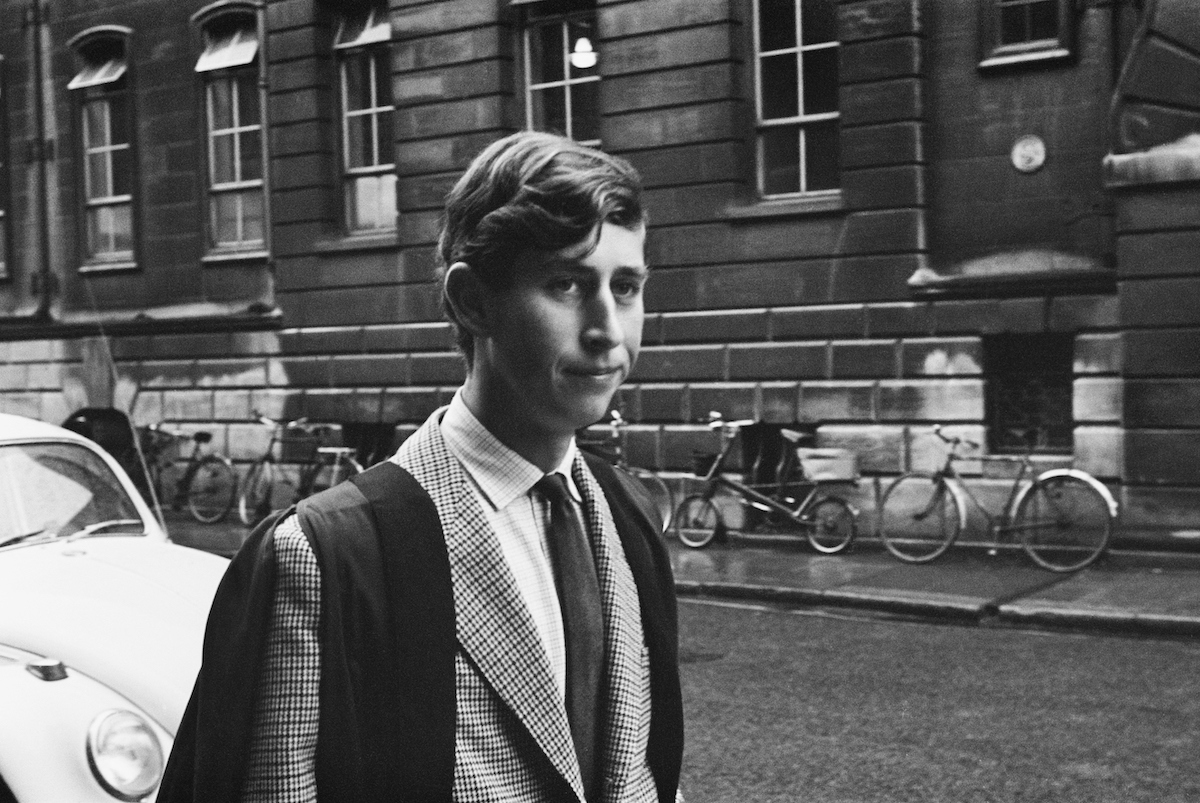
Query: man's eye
[[627, 289], [564, 285]]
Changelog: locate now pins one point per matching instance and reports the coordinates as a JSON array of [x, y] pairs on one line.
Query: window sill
[[234, 257], [358, 242], [104, 266], [788, 207], [998, 61]]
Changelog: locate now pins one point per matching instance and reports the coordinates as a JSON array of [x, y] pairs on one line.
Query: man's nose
[[602, 326]]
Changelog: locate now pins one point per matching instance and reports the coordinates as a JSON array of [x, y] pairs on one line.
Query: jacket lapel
[[492, 623], [627, 716]]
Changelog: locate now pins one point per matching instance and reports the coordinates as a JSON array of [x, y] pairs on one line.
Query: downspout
[[44, 281]]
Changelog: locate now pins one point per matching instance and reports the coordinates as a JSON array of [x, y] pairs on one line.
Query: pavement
[[1149, 593], [1152, 593]]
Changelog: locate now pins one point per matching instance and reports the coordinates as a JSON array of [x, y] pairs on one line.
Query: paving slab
[[1148, 600]]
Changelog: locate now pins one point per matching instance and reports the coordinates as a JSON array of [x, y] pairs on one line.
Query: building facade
[[868, 217]]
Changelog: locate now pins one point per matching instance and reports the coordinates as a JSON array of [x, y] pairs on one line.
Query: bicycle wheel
[[919, 517], [330, 474], [213, 489], [831, 525], [660, 492], [697, 522], [254, 502], [1064, 523]]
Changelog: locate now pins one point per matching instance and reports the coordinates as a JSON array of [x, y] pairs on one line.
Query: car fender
[[43, 732]]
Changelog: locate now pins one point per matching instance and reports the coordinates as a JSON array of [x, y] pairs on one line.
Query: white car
[[101, 623]]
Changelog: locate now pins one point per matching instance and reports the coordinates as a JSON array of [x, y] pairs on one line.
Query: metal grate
[[1028, 392]]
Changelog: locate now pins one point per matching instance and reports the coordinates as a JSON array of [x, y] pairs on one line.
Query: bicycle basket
[[298, 445], [828, 465]]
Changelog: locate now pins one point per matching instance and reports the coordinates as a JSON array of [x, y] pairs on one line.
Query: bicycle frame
[[714, 480], [954, 482]]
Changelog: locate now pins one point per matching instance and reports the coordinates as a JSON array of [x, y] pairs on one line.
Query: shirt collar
[[501, 474]]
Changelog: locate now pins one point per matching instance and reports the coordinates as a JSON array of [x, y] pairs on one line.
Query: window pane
[[776, 24], [96, 112], [357, 82], [122, 228], [223, 166], [383, 78], [780, 160], [251, 153], [546, 53], [122, 171], [1012, 25], [97, 175], [779, 87], [585, 111], [580, 63], [550, 110], [821, 81], [1043, 20], [118, 118], [247, 84], [371, 202], [220, 104], [109, 230], [252, 216], [358, 141], [224, 217], [818, 21], [821, 157], [386, 140]]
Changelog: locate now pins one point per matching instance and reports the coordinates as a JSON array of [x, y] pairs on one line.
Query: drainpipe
[[44, 282]]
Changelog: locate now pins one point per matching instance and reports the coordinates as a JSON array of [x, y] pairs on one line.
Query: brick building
[[867, 215]]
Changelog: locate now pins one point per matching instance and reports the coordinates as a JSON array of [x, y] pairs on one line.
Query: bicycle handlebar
[[954, 441]]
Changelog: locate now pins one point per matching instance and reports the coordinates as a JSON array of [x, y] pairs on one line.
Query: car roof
[[18, 427]]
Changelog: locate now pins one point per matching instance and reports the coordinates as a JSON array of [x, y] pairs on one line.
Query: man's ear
[[466, 296]]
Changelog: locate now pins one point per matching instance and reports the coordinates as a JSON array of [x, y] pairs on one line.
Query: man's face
[[564, 335]]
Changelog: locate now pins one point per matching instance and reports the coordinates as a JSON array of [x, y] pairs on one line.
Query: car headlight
[[124, 754]]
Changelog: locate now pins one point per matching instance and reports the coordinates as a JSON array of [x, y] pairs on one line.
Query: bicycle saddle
[[202, 437]]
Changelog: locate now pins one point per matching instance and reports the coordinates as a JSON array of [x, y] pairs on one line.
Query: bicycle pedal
[[993, 552]]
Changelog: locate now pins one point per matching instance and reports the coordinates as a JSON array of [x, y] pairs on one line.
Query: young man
[[488, 615]]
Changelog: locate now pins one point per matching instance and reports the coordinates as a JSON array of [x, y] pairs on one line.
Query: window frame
[[994, 54], [239, 16], [800, 120], [562, 12], [373, 47], [1001, 352], [101, 89]]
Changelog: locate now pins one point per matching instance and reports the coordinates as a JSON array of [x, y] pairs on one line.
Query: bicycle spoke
[[1063, 523], [919, 518]]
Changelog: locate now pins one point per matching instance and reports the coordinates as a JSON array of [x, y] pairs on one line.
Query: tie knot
[[553, 487]]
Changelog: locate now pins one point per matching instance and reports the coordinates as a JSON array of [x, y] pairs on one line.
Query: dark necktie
[[583, 621]]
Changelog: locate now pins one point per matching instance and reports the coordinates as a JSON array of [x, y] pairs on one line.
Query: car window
[[58, 489]]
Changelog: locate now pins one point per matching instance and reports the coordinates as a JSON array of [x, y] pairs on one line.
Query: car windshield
[[49, 490]]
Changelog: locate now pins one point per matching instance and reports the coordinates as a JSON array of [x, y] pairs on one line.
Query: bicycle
[[205, 483], [1063, 517], [828, 521], [613, 451], [299, 443]]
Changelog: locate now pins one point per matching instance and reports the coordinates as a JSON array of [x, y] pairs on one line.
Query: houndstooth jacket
[[512, 738]]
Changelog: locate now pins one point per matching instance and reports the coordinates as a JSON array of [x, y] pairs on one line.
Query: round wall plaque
[[1028, 153]]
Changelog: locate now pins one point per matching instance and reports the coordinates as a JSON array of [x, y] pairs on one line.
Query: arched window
[[229, 66], [365, 89], [101, 86]]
